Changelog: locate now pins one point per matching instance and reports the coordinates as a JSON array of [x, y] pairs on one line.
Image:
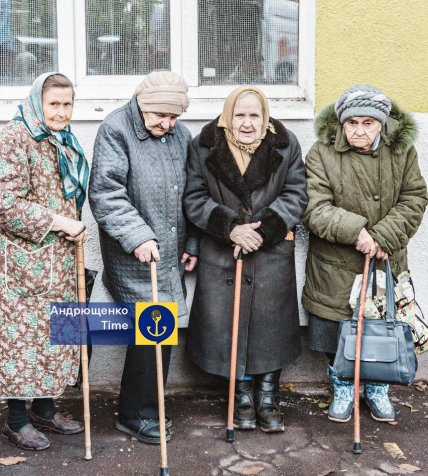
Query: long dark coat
[[217, 196]]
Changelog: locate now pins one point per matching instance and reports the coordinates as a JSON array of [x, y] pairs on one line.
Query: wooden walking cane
[[164, 470], [357, 439], [81, 294], [230, 431]]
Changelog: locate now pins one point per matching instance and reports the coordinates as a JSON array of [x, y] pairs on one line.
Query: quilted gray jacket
[[135, 192]]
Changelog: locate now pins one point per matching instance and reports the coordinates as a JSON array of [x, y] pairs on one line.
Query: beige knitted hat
[[163, 92]]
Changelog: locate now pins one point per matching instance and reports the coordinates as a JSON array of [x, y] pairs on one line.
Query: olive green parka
[[382, 190]]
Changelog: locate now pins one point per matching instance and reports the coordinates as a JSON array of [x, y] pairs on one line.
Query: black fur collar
[[264, 162]]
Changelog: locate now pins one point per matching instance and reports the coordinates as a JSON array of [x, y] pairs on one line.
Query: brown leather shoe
[[27, 438], [59, 424]]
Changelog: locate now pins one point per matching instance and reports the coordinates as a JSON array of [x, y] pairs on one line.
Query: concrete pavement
[[311, 444]]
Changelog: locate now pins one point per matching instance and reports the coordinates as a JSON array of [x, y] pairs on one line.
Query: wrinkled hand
[[146, 250], [365, 243], [380, 252], [236, 251], [73, 230], [246, 237], [190, 260]]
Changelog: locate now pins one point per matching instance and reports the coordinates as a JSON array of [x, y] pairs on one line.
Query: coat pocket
[[28, 273], [285, 247]]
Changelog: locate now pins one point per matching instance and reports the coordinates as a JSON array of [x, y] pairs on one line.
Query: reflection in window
[[28, 40], [127, 36], [248, 41]]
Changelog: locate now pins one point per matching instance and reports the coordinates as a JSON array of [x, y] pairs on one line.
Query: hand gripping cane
[[230, 432], [81, 294], [164, 470], [357, 439]]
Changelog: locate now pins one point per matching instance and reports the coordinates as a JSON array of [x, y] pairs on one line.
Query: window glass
[[28, 40], [127, 37], [248, 41]]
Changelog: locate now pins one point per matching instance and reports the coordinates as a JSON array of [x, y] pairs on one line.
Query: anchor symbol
[[156, 316]]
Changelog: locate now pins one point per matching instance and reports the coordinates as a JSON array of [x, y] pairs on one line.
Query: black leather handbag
[[387, 352]]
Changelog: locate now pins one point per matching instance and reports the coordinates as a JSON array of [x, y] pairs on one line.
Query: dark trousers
[[138, 393]]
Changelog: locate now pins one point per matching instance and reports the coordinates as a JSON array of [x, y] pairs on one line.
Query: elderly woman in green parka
[[366, 196]]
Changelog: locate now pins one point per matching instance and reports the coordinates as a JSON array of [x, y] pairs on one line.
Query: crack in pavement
[[243, 462]]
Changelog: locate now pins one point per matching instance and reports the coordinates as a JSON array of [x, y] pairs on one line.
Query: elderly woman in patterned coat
[[43, 178]]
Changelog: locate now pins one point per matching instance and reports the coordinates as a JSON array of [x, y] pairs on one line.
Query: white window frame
[[97, 95]]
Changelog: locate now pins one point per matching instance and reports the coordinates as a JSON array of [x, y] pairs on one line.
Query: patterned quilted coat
[[36, 267]]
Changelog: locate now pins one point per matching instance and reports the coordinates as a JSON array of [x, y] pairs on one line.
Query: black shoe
[[144, 429], [244, 417], [266, 394], [168, 422]]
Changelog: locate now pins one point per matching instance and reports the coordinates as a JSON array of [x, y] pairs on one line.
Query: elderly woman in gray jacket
[[136, 186]]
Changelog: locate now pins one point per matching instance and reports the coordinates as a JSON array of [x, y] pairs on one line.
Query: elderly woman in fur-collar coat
[[246, 188], [366, 196]]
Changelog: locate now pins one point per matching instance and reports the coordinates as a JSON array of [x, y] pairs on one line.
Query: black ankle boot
[[267, 397], [244, 416]]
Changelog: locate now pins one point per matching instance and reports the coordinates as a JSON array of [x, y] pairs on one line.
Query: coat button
[[248, 280], [173, 228], [374, 154], [163, 140], [376, 197], [229, 281], [175, 187]]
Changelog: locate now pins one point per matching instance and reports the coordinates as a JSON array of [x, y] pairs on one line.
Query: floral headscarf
[[73, 165]]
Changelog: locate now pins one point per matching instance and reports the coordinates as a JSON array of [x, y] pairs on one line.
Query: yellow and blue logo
[[156, 323]]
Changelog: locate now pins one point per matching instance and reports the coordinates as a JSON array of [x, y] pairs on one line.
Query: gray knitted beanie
[[363, 100]]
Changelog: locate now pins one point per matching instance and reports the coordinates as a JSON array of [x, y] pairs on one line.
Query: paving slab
[[310, 445]]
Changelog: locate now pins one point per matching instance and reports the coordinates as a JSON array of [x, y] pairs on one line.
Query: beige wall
[[379, 42]]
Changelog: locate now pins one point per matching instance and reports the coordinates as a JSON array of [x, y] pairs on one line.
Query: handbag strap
[[357, 305], [390, 303], [374, 282]]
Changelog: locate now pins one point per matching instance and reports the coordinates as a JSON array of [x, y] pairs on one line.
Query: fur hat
[[363, 100], [163, 92]]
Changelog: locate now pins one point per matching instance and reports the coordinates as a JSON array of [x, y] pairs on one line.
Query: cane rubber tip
[[88, 456], [357, 448], [230, 435], [164, 471]]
